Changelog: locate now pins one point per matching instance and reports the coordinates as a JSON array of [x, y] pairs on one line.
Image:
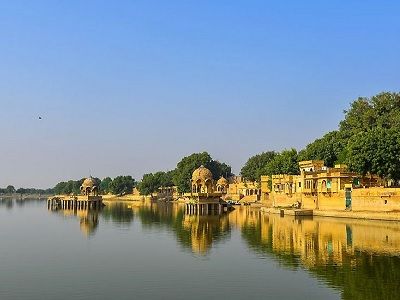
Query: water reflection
[[88, 219], [6, 202], [193, 232], [361, 259]]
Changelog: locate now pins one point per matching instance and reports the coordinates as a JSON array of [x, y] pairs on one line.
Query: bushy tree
[[381, 110], [105, 185], [149, 184], [10, 189], [376, 151], [253, 168], [122, 185], [285, 162], [184, 169], [330, 148]]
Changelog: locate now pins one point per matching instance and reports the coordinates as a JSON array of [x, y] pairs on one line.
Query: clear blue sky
[[129, 87]]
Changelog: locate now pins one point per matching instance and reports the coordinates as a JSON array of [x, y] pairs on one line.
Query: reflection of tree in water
[[21, 202], [357, 274], [363, 276], [118, 213], [7, 202], [252, 234], [197, 233]]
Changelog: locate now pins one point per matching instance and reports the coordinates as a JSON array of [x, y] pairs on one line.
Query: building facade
[[322, 188]]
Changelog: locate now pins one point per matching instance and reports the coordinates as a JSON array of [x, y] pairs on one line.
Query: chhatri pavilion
[[206, 194], [89, 198]]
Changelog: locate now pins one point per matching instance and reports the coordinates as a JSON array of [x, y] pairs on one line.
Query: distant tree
[[329, 148], [105, 185], [381, 110], [69, 187], [10, 189], [219, 169], [151, 182], [253, 168], [21, 191], [184, 169], [122, 185], [166, 178], [376, 151], [285, 162]]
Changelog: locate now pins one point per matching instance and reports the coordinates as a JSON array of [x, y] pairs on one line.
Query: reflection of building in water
[[85, 206], [204, 230], [244, 216], [195, 232], [89, 198], [88, 219], [359, 257], [319, 241]]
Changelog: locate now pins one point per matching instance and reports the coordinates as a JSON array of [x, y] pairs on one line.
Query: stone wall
[[375, 199]]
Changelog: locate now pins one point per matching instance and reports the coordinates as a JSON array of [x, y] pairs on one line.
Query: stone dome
[[202, 173], [89, 182], [89, 187], [222, 181]]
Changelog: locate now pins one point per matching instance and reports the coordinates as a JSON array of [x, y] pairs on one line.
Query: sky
[[130, 87]]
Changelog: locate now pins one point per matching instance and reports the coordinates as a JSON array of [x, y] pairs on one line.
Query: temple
[[206, 195], [89, 198]]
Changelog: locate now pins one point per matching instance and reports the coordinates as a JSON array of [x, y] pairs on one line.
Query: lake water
[[155, 251]]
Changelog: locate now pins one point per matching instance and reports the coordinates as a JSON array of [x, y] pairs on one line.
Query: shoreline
[[361, 215]]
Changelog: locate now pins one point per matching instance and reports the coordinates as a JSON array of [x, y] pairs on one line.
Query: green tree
[[219, 169], [21, 191], [329, 148], [166, 178], [253, 168], [105, 185], [122, 185], [151, 182], [10, 189], [285, 162], [381, 110], [376, 151], [184, 169]]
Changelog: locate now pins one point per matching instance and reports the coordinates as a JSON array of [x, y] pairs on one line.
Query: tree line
[[10, 189], [182, 174], [120, 185], [367, 140]]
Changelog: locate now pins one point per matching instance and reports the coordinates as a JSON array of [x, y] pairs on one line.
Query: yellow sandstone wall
[[332, 201], [375, 199]]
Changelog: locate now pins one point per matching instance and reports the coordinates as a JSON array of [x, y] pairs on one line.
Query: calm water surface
[[155, 251]]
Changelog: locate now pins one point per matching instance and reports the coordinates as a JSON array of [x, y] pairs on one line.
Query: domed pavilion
[[222, 185], [89, 187], [202, 180], [89, 198]]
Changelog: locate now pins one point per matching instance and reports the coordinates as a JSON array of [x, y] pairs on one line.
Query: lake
[[145, 250]]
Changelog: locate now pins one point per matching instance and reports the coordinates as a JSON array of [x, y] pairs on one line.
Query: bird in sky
[[40, 118]]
